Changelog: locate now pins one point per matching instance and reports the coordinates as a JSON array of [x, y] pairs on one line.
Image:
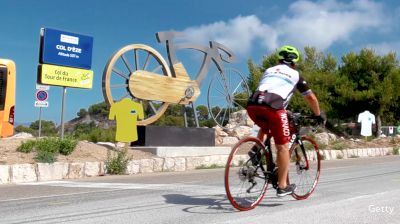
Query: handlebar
[[300, 120]]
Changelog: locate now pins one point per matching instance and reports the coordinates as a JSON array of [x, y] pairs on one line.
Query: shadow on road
[[207, 204]]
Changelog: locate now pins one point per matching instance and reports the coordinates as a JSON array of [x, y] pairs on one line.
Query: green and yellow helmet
[[289, 54]]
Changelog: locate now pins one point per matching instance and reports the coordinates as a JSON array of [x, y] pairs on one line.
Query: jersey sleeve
[[303, 87]]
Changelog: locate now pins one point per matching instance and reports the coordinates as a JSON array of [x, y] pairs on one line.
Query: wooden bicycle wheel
[[227, 93], [117, 75]]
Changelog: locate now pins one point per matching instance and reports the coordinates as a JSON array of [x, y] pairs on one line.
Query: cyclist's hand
[[321, 119]]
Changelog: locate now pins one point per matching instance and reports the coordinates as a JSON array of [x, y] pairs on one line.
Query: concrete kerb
[[20, 173]]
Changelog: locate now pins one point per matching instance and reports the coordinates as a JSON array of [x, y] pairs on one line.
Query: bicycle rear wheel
[[245, 183], [305, 168], [227, 93]]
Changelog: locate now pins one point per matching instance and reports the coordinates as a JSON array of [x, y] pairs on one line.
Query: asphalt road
[[349, 191]]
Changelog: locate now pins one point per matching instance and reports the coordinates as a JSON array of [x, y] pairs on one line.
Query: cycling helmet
[[288, 54]]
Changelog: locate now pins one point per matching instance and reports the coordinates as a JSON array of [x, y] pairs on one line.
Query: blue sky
[[251, 28]]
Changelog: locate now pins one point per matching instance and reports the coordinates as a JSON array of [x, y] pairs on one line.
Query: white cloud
[[306, 23], [386, 47], [323, 23], [238, 34]]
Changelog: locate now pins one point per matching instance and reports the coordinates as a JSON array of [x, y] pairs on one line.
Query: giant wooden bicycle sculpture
[[139, 72]]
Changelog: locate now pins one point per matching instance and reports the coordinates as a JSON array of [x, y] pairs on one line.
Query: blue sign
[[65, 48]]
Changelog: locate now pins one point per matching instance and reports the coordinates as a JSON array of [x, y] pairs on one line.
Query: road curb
[[22, 173]]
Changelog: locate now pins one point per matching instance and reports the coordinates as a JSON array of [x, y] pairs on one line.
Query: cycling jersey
[[282, 80], [266, 107]]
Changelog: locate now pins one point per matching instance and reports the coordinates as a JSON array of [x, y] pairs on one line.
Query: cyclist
[[267, 108]]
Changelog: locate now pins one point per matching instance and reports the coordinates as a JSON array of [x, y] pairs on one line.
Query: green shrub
[[21, 128], [47, 149], [48, 145], [117, 164], [97, 135], [66, 146], [337, 145], [396, 150], [27, 146], [320, 146], [43, 156]]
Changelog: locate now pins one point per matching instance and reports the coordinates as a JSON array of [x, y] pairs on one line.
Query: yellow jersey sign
[[65, 76], [126, 112]]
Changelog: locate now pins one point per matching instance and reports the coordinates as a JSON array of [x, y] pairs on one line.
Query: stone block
[[4, 174], [174, 164], [76, 170], [146, 166], [158, 164], [51, 171], [345, 154], [194, 162], [219, 160], [333, 154], [326, 154], [102, 170], [339, 154], [21, 173], [133, 167], [92, 169]]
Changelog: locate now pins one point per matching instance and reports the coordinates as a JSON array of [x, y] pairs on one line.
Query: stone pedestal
[[174, 136]]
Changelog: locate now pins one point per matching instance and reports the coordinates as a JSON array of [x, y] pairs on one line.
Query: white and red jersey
[[283, 80]]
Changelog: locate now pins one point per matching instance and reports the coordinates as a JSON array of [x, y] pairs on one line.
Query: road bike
[[139, 72], [247, 175]]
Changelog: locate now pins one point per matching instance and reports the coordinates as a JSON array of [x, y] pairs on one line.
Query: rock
[[325, 138], [22, 135], [219, 132], [322, 138], [229, 140], [241, 131], [240, 118]]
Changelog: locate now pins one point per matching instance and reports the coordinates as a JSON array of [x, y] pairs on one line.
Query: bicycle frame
[[294, 141], [210, 53]]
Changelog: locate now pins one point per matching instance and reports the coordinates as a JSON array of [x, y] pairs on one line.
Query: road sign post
[[62, 111], [41, 101]]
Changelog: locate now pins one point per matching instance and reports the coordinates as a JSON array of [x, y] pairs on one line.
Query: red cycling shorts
[[271, 121]]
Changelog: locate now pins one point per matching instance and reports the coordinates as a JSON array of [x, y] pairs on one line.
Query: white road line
[[128, 186], [109, 187]]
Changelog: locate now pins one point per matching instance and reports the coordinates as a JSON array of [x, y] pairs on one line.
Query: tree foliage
[[48, 128], [99, 109], [362, 81]]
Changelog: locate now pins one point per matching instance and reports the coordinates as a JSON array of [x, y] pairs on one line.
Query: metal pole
[[184, 115], [196, 119], [40, 121], [62, 111]]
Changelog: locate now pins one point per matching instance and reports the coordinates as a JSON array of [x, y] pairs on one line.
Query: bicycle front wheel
[[245, 183], [305, 168]]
